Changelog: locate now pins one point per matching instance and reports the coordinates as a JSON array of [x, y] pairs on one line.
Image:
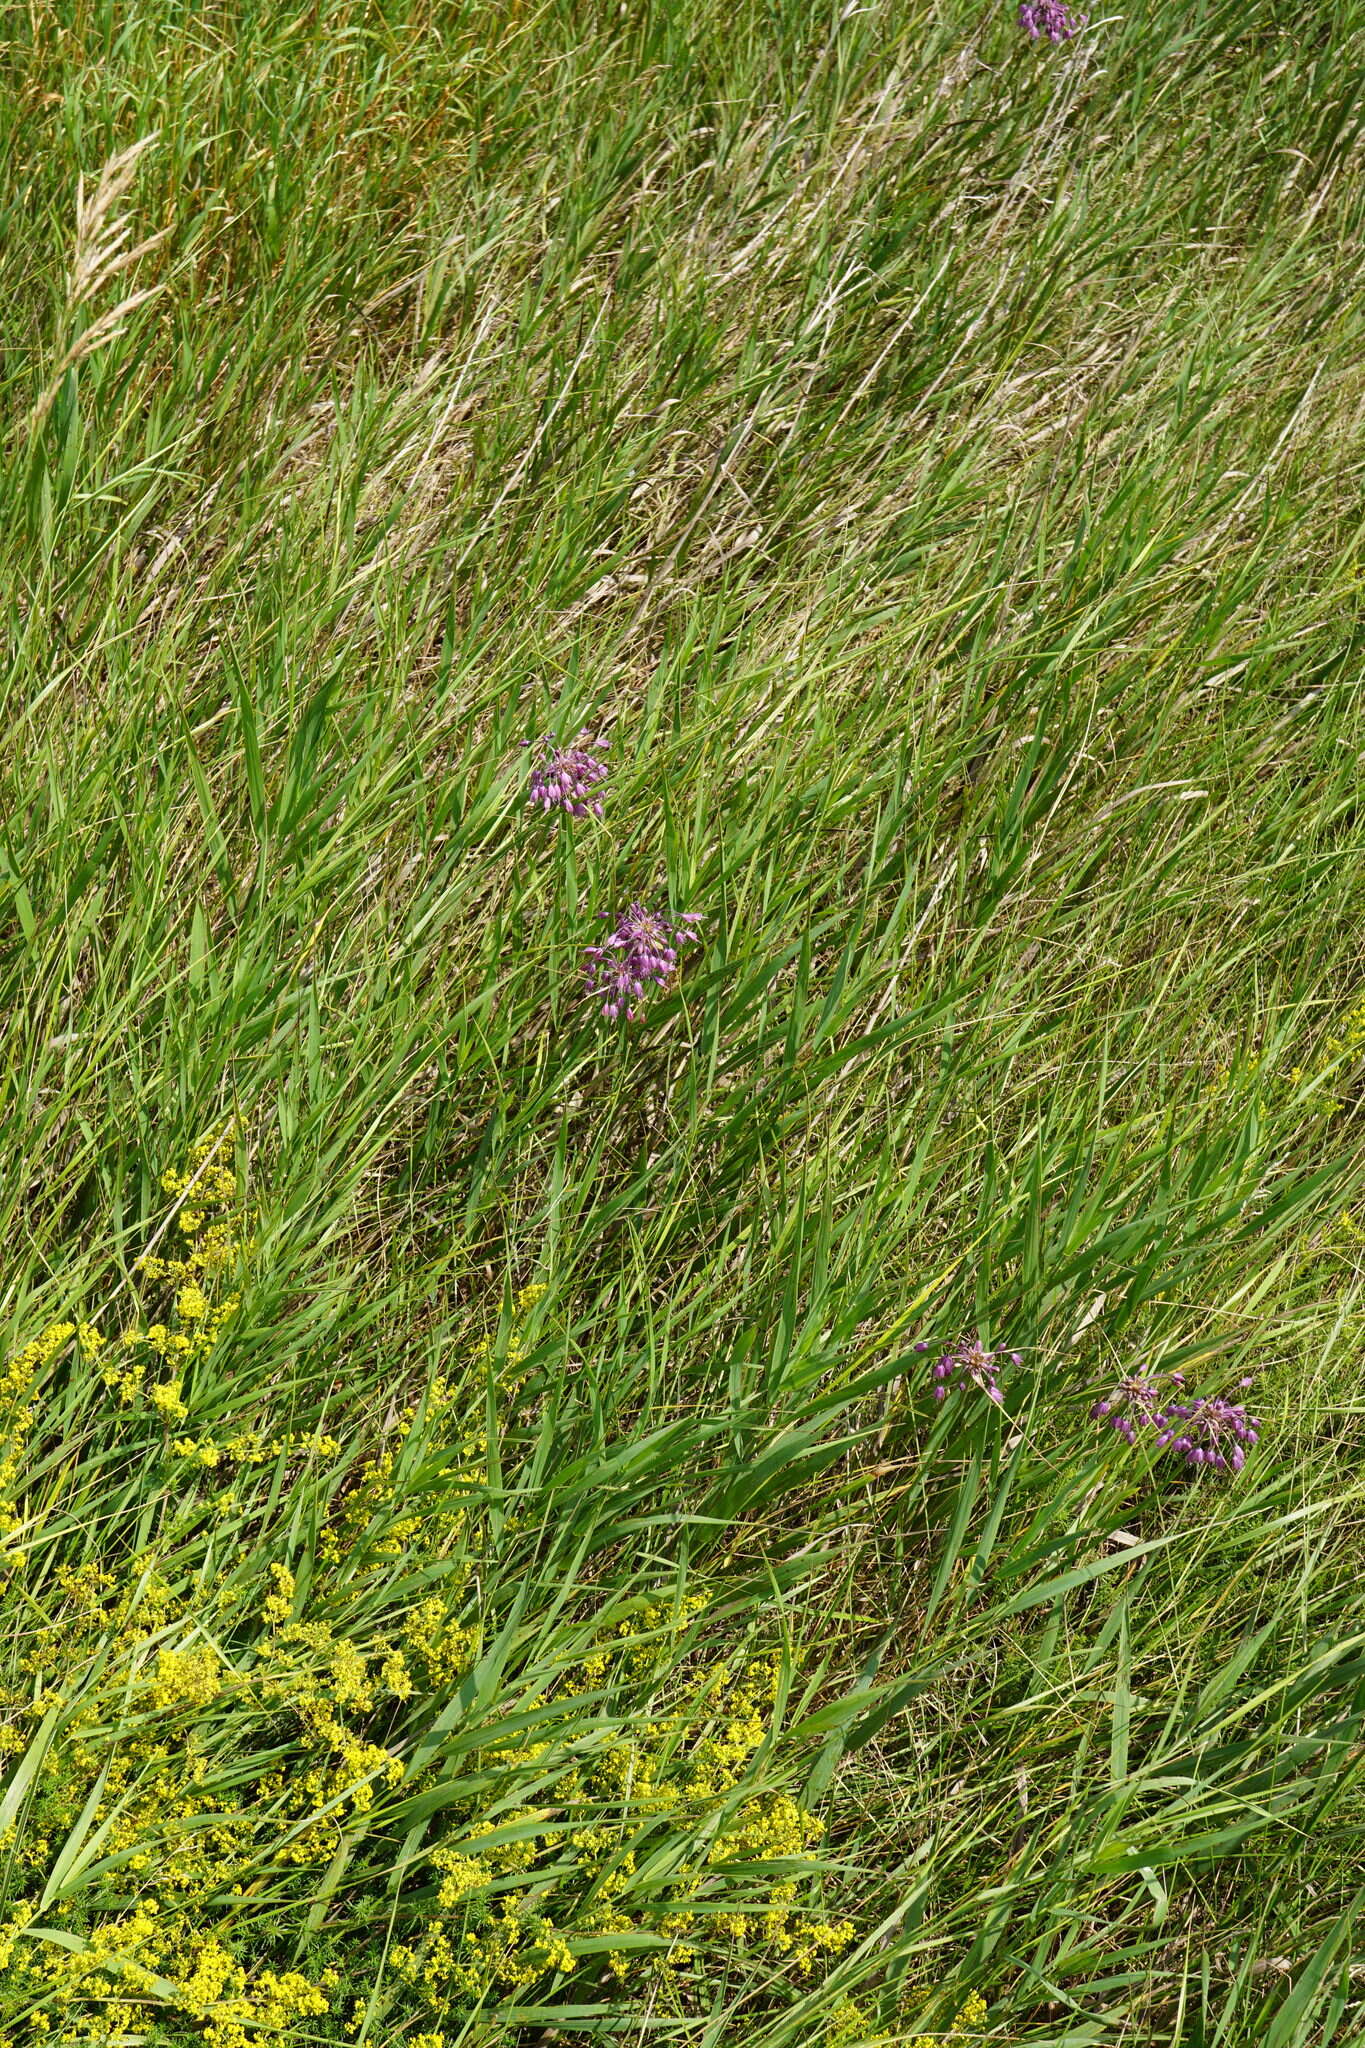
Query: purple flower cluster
[[641, 949], [564, 778], [1133, 1405], [968, 1364], [1210, 1433], [1049, 18]]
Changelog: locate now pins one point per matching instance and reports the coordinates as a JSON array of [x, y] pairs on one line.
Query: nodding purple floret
[[1133, 1405], [1049, 18], [564, 778], [1211, 1435], [969, 1364], [642, 949]]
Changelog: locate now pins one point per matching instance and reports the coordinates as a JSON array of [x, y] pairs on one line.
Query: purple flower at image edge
[[641, 951], [1049, 18], [565, 778], [969, 1364]]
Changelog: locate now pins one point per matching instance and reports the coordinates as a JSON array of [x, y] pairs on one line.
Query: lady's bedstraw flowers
[[643, 948], [564, 778], [1049, 18], [969, 1364]]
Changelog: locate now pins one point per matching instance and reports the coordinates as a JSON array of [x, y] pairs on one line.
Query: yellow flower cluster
[[215, 1240], [448, 1420], [251, 1447], [18, 1400], [1349, 1036], [850, 2027], [1345, 1043], [313, 1673], [967, 2022], [1348, 1230], [145, 1775], [205, 1767], [443, 1649], [146, 1964], [227, 1734], [186, 1678], [207, 1192], [531, 1895]]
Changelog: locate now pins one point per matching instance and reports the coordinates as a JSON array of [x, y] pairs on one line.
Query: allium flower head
[[642, 948], [1132, 1405], [969, 1364], [564, 778], [1211, 1435], [1049, 18]]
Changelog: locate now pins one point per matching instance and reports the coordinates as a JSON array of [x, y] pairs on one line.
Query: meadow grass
[[481, 1559]]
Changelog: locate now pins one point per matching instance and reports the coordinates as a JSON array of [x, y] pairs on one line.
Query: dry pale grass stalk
[[100, 255]]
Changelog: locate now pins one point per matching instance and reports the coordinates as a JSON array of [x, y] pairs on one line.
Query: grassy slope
[[936, 462]]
